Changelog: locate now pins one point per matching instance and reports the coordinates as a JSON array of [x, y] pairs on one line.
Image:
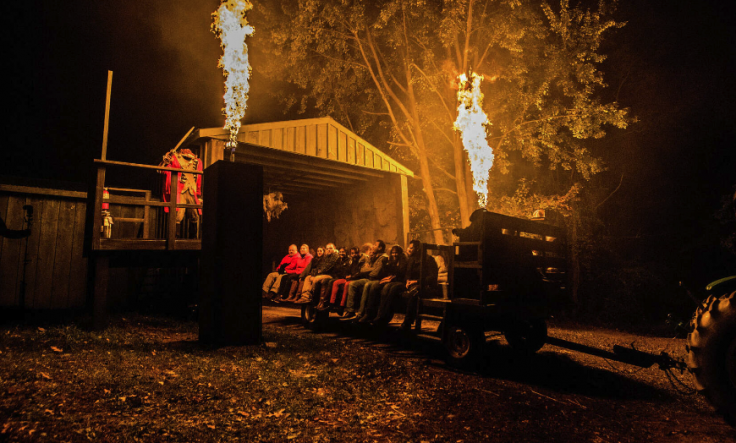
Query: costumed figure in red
[[189, 186]]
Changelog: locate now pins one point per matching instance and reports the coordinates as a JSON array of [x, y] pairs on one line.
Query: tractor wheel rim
[[459, 343]]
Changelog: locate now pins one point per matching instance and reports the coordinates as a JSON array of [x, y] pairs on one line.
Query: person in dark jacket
[[357, 261], [394, 276], [323, 270], [410, 291], [341, 269], [356, 288]]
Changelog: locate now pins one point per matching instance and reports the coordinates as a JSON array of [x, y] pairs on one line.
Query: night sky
[[673, 65]]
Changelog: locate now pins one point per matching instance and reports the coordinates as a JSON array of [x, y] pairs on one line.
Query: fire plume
[[231, 26], [472, 122]]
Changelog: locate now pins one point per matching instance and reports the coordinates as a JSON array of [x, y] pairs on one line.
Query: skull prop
[[273, 205]]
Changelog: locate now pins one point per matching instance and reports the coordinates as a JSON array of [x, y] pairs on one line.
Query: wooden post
[[101, 268], [107, 116], [146, 215], [173, 200], [97, 208]]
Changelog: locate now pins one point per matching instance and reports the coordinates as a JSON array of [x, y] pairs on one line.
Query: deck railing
[[167, 241]]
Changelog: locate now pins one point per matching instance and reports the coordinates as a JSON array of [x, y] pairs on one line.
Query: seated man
[[341, 269], [394, 272], [413, 273], [290, 282], [356, 288], [319, 273], [358, 259], [273, 280]]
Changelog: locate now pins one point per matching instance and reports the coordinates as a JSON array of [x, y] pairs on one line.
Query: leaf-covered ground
[[148, 379]]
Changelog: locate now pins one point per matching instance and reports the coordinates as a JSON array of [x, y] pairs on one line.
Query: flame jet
[[472, 122], [231, 26]]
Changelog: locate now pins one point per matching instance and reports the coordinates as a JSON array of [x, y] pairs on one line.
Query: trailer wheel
[[462, 344], [711, 350], [527, 336], [313, 318]]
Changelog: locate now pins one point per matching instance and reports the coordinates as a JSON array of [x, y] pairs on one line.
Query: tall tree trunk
[[434, 213], [575, 262]]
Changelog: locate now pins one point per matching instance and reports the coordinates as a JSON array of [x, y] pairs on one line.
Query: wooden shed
[[339, 188]]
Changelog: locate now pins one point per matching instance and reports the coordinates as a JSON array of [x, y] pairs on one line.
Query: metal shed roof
[[315, 155]]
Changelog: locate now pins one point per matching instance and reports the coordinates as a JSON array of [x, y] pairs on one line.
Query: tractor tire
[[463, 344], [711, 348], [312, 318], [527, 336]]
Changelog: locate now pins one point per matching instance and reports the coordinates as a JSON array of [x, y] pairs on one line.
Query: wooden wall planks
[[56, 270]]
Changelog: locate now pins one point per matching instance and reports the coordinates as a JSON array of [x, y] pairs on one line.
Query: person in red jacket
[[273, 281], [189, 186], [290, 282]]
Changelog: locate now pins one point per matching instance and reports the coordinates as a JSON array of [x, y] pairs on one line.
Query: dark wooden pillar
[[232, 246], [99, 264]]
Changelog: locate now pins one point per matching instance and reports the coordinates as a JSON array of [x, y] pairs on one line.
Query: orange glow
[[472, 122], [231, 26]]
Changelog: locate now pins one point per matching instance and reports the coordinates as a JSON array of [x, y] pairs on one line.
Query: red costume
[[189, 186]]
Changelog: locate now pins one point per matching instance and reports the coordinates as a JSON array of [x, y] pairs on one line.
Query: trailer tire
[[313, 318], [711, 348], [527, 336], [463, 344]]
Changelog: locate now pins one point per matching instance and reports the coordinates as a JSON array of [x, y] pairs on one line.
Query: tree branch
[[611, 194]]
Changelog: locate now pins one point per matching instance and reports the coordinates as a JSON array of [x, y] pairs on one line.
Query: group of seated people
[[360, 284]]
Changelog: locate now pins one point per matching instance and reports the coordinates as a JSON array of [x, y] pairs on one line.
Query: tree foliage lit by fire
[[399, 61]]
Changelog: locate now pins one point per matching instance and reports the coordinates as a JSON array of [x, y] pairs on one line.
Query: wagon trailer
[[509, 275]]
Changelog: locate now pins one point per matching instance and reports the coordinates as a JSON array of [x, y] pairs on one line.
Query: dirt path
[[148, 379], [560, 392]]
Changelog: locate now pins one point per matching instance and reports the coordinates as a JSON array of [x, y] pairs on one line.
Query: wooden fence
[[55, 270]]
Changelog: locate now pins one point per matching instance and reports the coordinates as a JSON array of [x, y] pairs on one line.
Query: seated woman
[[351, 272], [320, 272], [341, 269], [410, 289], [394, 273]]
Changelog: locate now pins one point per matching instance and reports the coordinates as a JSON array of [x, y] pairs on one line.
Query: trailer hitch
[[623, 354]]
